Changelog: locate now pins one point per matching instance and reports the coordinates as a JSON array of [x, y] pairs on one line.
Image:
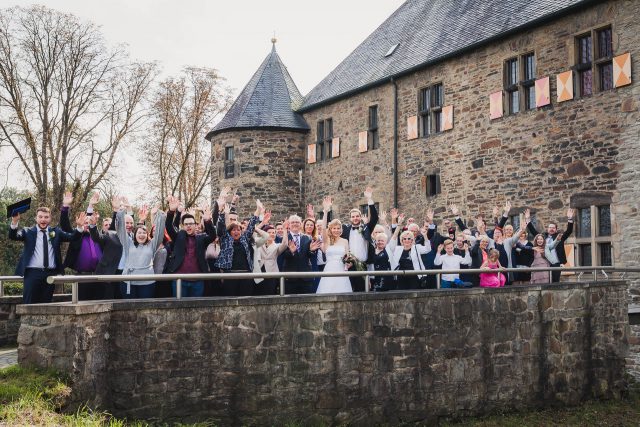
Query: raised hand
[[401, 218], [394, 214], [465, 246], [382, 217], [285, 224], [143, 212], [206, 213], [125, 202], [507, 207], [259, 207], [368, 193], [266, 218], [365, 219], [180, 206], [154, 210], [454, 210], [15, 219], [93, 219], [292, 246], [496, 211], [115, 203], [570, 213], [67, 199], [192, 211], [95, 198], [429, 216], [527, 215], [315, 245], [440, 247], [327, 202], [310, 212], [173, 203], [80, 219], [559, 236], [235, 199], [224, 193]]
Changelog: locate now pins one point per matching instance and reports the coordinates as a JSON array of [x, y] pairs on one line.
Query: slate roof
[[429, 31], [267, 101]]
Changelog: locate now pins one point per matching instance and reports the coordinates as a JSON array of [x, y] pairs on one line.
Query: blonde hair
[[406, 233], [332, 239]]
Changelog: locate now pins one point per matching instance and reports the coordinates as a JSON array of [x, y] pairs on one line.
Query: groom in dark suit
[[298, 257], [41, 256], [359, 235]]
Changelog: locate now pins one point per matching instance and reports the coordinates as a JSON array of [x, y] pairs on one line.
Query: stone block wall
[[633, 361], [10, 320], [361, 359], [267, 167]]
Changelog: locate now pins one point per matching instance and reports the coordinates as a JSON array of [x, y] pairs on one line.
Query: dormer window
[[391, 50]]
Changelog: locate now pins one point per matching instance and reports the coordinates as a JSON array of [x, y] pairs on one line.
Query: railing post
[[74, 293], [367, 285], [179, 289], [282, 286], [2, 288], [438, 281]]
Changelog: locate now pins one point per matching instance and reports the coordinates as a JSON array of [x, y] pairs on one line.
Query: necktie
[[45, 249], [296, 239]]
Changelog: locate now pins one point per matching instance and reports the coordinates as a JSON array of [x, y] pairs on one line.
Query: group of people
[[213, 239]]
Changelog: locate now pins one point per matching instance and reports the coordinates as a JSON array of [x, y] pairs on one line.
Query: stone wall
[[361, 359], [10, 321], [267, 167]]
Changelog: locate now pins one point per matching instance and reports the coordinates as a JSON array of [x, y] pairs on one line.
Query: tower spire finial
[[274, 40]]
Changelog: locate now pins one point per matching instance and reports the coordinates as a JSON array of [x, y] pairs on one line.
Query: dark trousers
[[35, 289], [357, 283], [298, 286], [555, 275], [92, 291]]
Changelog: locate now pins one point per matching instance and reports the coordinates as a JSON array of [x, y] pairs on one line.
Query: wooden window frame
[[523, 86], [594, 239], [596, 64], [320, 153], [430, 116], [328, 138], [433, 186], [373, 128], [229, 163]]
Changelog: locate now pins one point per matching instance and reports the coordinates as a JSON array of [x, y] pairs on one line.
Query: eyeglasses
[[186, 224], [407, 238]]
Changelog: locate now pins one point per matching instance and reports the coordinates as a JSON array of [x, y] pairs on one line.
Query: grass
[[33, 397]]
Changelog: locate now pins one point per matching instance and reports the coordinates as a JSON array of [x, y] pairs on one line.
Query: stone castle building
[[467, 102]]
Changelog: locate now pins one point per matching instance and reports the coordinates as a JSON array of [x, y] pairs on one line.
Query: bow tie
[[355, 228]]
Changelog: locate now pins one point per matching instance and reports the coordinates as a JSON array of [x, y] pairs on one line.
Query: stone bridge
[[358, 358]]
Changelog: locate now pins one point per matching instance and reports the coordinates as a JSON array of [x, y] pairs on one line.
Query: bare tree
[[183, 110], [67, 102]]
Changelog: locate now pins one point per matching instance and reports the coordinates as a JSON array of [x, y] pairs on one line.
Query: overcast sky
[[232, 36]]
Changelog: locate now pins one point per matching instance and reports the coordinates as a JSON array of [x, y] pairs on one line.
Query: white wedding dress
[[334, 285]]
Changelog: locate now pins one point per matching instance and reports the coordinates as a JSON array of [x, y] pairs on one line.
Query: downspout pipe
[[395, 142]]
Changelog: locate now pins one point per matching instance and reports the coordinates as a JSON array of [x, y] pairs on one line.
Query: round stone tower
[[259, 146]]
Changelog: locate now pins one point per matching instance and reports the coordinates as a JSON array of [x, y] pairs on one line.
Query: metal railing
[[8, 279], [283, 276]]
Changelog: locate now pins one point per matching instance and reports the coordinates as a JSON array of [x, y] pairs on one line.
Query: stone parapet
[[361, 359], [10, 320]]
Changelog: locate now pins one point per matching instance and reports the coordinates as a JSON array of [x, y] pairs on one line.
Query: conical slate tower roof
[[267, 101]]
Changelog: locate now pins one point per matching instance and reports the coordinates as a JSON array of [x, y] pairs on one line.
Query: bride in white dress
[[335, 247]]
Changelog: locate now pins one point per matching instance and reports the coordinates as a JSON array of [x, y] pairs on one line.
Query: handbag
[[422, 281]]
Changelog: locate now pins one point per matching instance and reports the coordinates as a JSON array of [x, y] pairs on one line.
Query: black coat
[[299, 261], [73, 250], [562, 256], [367, 229], [179, 238], [111, 250]]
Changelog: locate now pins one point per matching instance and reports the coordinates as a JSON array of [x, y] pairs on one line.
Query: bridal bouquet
[[349, 260]]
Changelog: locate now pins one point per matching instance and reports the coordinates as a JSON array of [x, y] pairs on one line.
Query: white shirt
[[37, 259], [358, 245], [451, 262]]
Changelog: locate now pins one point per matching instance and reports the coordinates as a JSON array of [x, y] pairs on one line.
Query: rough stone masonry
[[357, 358]]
